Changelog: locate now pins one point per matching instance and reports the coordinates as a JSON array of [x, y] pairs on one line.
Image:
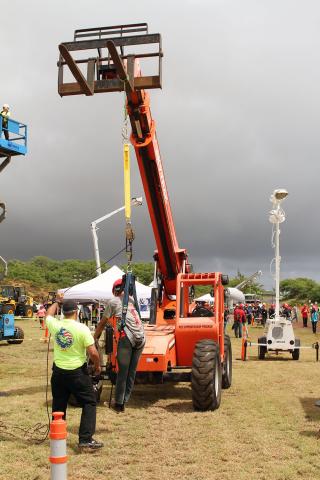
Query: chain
[[129, 252], [125, 135]]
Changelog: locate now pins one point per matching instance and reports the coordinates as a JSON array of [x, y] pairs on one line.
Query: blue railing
[[18, 136]]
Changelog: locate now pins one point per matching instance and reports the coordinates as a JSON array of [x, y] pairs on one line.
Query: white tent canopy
[[234, 295], [99, 289], [205, 298]]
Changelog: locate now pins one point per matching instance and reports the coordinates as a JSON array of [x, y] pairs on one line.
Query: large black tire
[[227, 364], [206, 376], [27, 311], [262, 350], [296, 351], [19, 336]]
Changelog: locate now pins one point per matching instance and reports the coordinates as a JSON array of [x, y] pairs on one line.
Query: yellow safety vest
[[5, 116]]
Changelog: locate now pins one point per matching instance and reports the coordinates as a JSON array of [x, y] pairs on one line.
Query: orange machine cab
[[171, 342]]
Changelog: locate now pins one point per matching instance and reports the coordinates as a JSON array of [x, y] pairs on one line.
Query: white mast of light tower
[[277, 216]]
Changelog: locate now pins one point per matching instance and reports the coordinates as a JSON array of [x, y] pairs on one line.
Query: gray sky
[[238, 116]]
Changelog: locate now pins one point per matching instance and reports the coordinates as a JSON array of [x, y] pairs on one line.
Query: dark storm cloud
[[237, 117]]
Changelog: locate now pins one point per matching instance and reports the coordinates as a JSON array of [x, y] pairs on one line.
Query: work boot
[[92, 444], [117, 407]]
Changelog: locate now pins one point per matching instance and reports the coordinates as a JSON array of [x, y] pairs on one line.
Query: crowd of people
[[258, 313]]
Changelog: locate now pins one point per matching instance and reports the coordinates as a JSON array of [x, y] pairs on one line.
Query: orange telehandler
[[180, 335]]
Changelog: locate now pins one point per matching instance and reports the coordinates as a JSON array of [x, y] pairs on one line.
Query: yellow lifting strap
[[126, 170], [127, 203]]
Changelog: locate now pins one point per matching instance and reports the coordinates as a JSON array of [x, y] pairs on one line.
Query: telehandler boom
[[180, 336]]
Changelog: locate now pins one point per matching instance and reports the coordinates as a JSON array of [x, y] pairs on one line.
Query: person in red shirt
[[305, 314], [239, 318]]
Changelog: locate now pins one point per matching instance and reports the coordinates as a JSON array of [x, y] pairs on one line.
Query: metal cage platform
[[97, 74]]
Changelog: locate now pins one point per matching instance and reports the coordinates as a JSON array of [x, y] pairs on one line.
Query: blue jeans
[[238, 329], [128, 358]]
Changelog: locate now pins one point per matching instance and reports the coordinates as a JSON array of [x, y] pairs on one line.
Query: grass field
[[266, 428]]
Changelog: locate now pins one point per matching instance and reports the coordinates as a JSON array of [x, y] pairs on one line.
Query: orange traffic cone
[[244, 343], [46, 335], [58, 447]]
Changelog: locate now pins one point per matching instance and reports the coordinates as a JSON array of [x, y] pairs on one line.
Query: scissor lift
[[15, 145]]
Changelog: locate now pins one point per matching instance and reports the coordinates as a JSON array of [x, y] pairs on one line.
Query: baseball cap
[[69, 306]]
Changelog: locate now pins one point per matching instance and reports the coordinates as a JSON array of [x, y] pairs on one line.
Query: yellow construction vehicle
[[51, 298], [14, 300]]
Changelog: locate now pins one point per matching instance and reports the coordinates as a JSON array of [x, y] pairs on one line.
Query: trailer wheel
[[19, 336], [28, 311], [227, 364], [206, 376], [262, 350], [296, 351], [9, 309]]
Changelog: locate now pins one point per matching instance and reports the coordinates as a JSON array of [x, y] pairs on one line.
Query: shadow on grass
[[24, 391], [271, 358], [179, 407], [145, 396], [311, 434], [312, 412]]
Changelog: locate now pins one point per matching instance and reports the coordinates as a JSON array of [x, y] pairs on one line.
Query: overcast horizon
[[237, 117]]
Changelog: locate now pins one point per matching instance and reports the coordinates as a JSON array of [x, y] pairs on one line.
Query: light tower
[[279, 336], [277, 216]]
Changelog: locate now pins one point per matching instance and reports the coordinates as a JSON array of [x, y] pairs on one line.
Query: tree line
[[45, 273]]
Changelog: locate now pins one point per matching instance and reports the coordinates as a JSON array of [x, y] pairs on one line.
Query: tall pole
[[136, 202], [277, 216], [278, 260], [96, 247]]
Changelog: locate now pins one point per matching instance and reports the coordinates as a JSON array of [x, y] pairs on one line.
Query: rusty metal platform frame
[[101, 75]]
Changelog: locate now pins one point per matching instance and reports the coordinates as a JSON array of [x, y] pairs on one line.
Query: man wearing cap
[[130, 344], [5, 114], [72, 342]]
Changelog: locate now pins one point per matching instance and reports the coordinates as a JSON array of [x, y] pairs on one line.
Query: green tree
[[143, 271]]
